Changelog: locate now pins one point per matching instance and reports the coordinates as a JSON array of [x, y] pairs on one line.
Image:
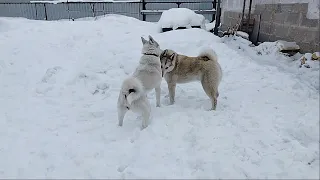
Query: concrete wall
[[288, 22], [236, 5]]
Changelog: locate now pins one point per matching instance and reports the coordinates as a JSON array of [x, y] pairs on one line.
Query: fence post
[[242, 16], [45, 11], [35, 6], [214, 2], [143, 8], [217, 19], [92, 8], [248, 21]]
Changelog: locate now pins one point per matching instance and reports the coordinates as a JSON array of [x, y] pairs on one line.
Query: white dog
[[147, 76]]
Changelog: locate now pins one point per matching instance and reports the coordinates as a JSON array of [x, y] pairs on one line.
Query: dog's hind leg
[[145, 111], [158, 92], [211, 91], [121, 113]]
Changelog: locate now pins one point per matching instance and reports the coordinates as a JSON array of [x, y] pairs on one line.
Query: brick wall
[[282, 21]]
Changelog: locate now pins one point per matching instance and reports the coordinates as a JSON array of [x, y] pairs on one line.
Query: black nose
[[132, 91]]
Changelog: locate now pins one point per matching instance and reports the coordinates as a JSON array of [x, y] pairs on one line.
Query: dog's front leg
[[121, 113], [158, 92], [172, 89]]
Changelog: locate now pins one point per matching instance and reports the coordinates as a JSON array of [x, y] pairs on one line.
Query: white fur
[[211, 54], [146, 77]]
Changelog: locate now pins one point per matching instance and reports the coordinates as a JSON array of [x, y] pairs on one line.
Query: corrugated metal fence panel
[[178, 1], [80, 10], [161, 6], [57, 11], [197, 6], [40, 11], [123, 8], [99, 9], [25, 10], [200, 6], [158, 6]]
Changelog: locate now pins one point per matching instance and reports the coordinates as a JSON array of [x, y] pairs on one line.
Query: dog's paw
[[120, 124], [211, 109], [171, 103], [143, 127], [158, 105]]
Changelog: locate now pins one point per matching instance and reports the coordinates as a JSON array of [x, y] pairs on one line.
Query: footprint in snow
[[48, 77], [122, 168]]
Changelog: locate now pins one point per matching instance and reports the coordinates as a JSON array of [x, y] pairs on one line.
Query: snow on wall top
[[236, 5], [180, 17]]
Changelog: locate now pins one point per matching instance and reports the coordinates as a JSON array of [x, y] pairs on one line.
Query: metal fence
[[74, 10]]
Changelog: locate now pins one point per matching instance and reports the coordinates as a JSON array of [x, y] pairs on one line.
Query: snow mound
[[181, 17], [242, 34], [267, 48], [285, 45], [276, 46]]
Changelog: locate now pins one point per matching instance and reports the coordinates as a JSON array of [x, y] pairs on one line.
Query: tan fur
[[178, 69]]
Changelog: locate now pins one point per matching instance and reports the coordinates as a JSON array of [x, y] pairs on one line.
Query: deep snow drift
[[59, 83]]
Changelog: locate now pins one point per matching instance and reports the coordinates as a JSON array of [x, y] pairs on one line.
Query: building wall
[[236, 5], [290, 22]]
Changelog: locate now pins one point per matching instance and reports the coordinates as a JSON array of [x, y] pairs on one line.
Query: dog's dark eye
[[161, 66], [166, 67]]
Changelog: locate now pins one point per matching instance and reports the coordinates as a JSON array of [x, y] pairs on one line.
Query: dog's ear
[[163, 53], [172, 56], [152, 41], [144, 41]]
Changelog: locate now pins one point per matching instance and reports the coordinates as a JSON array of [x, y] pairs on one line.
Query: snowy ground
[[268, 54], [59, 83]]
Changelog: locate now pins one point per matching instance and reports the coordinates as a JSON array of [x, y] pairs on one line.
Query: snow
[[180, 17], [267, 53], [242, 34], [58, 116], [285, 45], [210, 25]]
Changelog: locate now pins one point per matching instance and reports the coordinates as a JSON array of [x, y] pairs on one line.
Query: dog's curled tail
[[208, 53], [133, 88]]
